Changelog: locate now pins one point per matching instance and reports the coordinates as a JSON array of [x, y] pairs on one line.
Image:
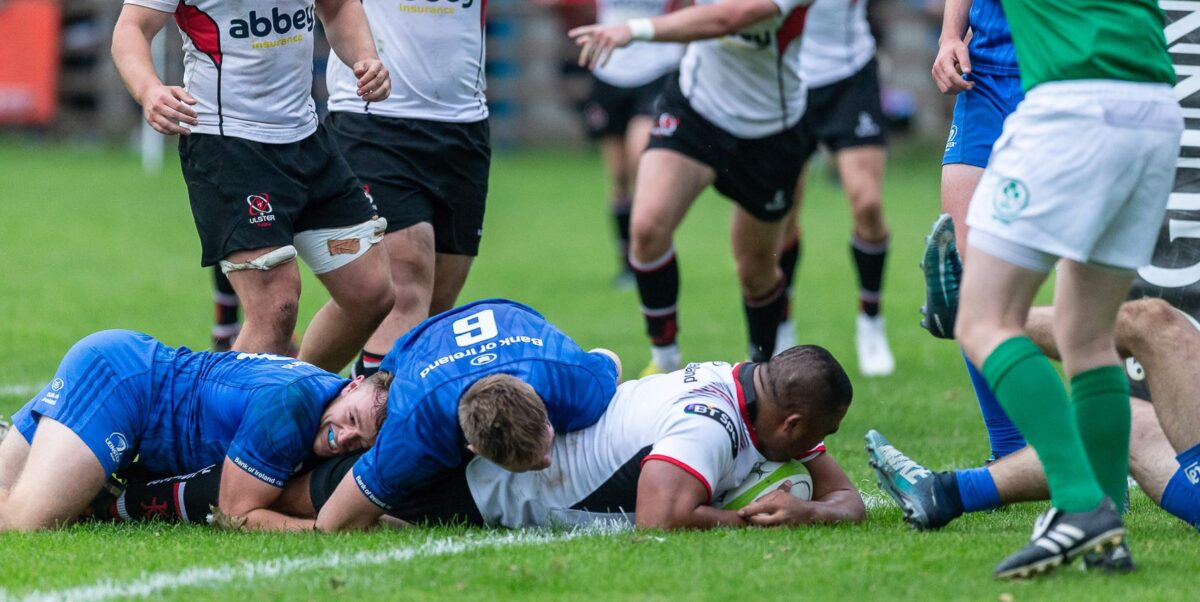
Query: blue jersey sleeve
[[277, 432], [577, 388], [410, 449]]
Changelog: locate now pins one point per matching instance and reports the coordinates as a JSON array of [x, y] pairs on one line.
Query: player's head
[[352, 420], [505, 421], [803, 394]]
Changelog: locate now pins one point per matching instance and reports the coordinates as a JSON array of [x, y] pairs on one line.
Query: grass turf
[[89, 243]]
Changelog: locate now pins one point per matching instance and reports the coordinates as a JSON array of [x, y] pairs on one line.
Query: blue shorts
[[100, 392], [979, 115]]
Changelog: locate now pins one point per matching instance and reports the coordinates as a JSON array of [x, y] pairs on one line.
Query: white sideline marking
[[206, 577], [22, 390]]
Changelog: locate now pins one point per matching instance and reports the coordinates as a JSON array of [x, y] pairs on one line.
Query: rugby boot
[[1059, 537], [662, 360], [1110, 560], [942, 267], [874, 354], [914, 488]]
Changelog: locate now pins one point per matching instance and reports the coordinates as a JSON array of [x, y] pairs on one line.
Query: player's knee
[[758, 274], [1147, 314], [648, 240]]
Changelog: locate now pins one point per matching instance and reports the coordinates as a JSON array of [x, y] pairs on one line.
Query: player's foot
[[943, 273], [912, 486], [874, 355], [785, 337], [1059, 537], [662, 360], [625, 280], [1110, 560]]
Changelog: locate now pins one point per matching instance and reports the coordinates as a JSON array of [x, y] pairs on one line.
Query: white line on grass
[[206, 577]]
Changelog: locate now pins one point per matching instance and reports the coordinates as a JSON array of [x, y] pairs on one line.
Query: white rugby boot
[[874, 355]]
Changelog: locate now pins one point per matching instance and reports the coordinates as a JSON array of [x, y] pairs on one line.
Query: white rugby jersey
[[248, 64], [837, 41], [434, 51], [640, 62], [749, 83], [694, 418]]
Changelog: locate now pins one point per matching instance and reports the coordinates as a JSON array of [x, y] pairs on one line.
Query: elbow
[[856, 510]]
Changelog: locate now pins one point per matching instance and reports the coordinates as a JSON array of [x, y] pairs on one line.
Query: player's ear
[[793, 424], [353, 384], [471, 447]]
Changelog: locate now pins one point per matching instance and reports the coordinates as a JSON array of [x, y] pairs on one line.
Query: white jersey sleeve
[[639, 63], [435, 53], [703, 439], [249, 65], [749, 83], [837, 41]]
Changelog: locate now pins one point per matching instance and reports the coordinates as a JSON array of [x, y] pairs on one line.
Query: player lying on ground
[[119, 394], [1164, 443], [491, 377], [666, 450]]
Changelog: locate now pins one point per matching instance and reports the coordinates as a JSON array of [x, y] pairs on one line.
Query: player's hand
[[779, 507], [374, 82], [166, 109], [949, 66], [597, 42]]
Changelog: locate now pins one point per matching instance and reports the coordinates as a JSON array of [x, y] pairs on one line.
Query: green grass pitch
[[88, 242]]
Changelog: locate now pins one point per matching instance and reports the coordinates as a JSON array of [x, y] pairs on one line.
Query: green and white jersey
[[1059, 40]]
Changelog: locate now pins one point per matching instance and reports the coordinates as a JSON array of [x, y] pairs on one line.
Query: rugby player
[[1164, 446], [667, 450], [266, 182], [423, 153], [837, 61], [732, 121], [621, 108], [984, 76], [1100, 125], [119, 394]]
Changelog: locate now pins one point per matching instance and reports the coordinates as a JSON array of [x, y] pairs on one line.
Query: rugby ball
[[764, 478]]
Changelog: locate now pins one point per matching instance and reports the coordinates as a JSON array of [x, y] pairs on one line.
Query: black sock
[[620, 212], [869, 258], [184, 499], [225, 314], [789, 258], [947, 492], [762, 320], [366, 364], [658, 287]]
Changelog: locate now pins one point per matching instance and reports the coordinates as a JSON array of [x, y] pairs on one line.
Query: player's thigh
[[61, 475], [637, 135], [411, 256], [266, 291], [612, 148], [14, 450], [364, 282], [958, 185], [995, 300], [1086, 301], [1151, 458], [670, 183], [450, 276], [756, 245]]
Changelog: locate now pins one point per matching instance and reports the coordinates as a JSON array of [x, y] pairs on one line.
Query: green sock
[[1101, 400], [1033, 396]]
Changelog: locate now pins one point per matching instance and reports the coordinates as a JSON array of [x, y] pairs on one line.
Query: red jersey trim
[[685, 467], [792, 27]]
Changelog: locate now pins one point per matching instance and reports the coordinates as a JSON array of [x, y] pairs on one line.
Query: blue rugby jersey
[[439, 359], [991, 47]]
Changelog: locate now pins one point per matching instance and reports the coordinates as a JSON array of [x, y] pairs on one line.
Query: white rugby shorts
[[1082, 171]]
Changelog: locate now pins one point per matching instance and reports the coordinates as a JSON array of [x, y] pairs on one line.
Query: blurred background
[[57, 79]]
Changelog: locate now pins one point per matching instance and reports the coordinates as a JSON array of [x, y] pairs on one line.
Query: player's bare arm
[[164, 107], [669, 497], [350, 37], [952, 60], [699, 22], [245, 496], [835, 500], [348, 509]]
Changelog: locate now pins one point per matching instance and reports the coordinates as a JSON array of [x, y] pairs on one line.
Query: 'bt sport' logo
[[261, 211], [279, 23]]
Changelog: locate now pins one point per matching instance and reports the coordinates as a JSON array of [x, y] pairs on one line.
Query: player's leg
[[225, 321], [763, 286], [60, 475], [360, 298], [958, 184], [659, 206], [1151, 458], [14, 449], [411, 260], [452, 271], [270, 298], [613, 149], [861, 171], [790, 248]]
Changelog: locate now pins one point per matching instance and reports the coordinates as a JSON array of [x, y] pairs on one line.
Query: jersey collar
[[743, 377]]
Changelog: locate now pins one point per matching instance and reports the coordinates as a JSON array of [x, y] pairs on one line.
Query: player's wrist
[[641, 29]]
